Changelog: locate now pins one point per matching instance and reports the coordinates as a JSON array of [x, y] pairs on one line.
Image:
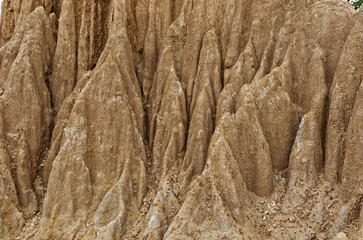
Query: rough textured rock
[[342, 97], [25, 114], [63, 82], [208, 119]]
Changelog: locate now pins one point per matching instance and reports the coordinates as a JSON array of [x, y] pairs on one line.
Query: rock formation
[[181, 119]]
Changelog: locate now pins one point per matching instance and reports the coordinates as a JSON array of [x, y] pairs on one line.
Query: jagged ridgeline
[[181, 119]]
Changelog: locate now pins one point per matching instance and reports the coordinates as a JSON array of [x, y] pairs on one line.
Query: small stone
[[340, 236]]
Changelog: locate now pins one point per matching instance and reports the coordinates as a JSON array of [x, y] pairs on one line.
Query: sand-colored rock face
[[208, 119]]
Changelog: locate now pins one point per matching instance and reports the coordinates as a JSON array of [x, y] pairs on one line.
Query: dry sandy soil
[[181, 119]]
